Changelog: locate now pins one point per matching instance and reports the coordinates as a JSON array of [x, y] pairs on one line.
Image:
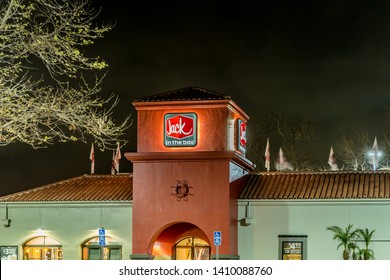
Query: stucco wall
[[73, 224], [70, 224], [150, 133], [207, 207], [272, 218]]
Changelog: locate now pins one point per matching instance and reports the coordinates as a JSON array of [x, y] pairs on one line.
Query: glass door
[[191, 248]]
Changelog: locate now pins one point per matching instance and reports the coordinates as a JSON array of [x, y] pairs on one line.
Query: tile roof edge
[[23, 192], [314, 200], [34, 189], [321, 172], [81, 202]]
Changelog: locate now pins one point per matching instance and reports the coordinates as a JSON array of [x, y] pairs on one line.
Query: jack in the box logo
[[241, 136], [180, 130]]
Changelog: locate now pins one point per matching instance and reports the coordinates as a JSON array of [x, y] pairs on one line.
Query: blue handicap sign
[[102, 237], [102, 240], [217, 238]]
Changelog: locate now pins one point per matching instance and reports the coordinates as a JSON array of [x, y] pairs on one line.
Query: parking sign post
[[217, 242]]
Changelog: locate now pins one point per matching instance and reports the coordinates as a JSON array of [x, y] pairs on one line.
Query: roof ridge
[[190, 93], [107, 175]]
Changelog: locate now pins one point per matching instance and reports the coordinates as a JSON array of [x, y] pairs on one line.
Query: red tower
[[187, 174]]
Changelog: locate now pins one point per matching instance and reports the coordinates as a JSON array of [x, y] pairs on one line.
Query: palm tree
[[366, 236], [355, 250], [345, 237]]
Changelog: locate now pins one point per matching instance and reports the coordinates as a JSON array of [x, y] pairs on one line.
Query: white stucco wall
[[272, 218], [71, 224]]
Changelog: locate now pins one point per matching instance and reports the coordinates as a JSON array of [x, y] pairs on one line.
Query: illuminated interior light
[[40, 232]]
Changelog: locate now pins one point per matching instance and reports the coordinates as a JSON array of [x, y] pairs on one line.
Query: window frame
[[104, 251]]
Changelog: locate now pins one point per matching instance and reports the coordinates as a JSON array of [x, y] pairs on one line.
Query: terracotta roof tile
[[317, 185], [185, 94], [266, 185], [83, 188], [383, 187]]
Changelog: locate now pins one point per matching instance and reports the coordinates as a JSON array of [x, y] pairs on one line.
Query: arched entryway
[[181, 241]]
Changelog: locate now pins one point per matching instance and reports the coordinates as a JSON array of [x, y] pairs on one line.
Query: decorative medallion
[[181, 190]]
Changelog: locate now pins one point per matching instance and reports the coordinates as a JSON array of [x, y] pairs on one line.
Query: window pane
[[183, 253], [42, 253], [94, 254], [185, 242], [31, 253], [115, 254], [200, 242], [201, 253], [192, 248], [43, 241]]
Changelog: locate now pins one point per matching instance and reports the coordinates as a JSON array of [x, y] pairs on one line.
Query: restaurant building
[[193, 195]]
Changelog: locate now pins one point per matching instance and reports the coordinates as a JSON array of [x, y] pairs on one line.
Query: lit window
[[42, 248], [191, 248]]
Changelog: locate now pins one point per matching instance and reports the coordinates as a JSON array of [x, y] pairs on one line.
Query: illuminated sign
[[292, 247], [8, 253], [241, 136], [180, 130], [292, 250]]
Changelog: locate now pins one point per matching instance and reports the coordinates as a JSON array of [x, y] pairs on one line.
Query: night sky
[[327, 60]]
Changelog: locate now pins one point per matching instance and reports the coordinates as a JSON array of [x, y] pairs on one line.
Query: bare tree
[[59, 103], [352, 148], [290, 131]]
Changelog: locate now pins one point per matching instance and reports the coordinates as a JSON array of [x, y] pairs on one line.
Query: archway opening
[[181, 241]]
